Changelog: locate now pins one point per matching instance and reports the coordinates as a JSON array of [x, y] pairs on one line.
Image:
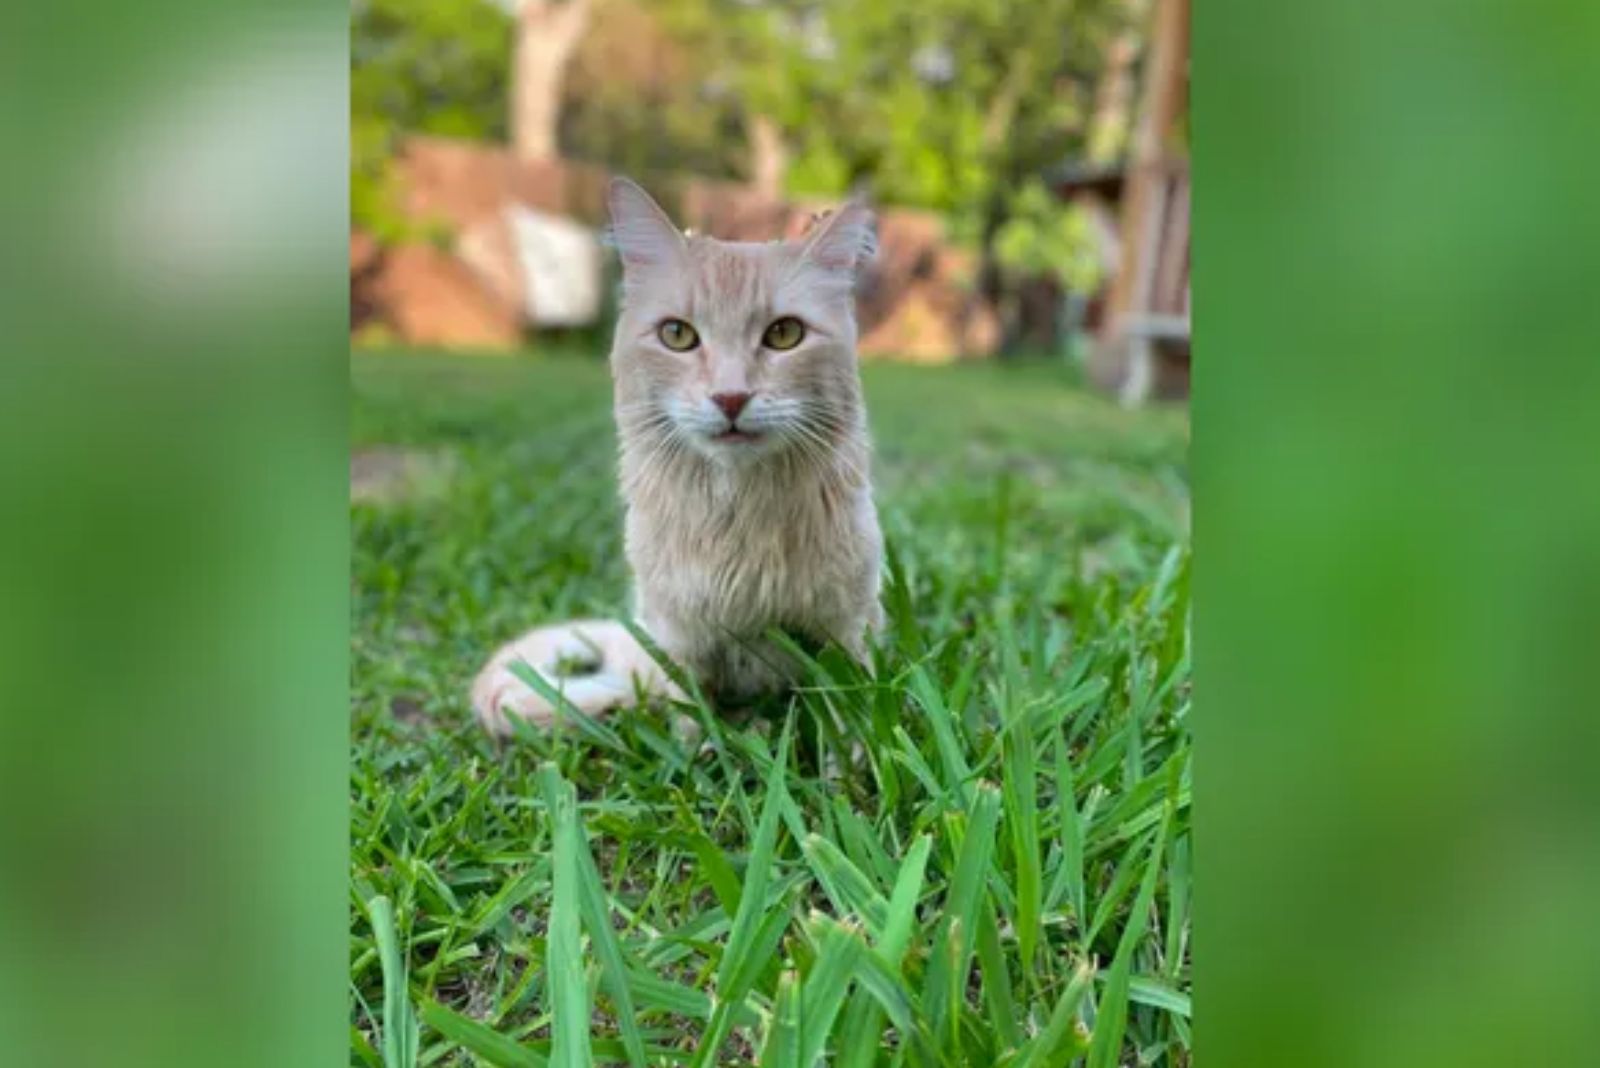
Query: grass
[[977, 855]]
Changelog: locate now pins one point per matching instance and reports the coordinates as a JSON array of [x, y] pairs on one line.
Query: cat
[[743, 469]]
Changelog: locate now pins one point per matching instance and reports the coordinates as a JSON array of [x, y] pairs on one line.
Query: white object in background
[[561, 268]]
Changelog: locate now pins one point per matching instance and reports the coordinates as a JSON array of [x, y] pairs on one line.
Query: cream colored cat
[[743, 467]]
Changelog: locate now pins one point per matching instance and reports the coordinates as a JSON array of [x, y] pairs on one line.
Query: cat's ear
[[643, 234], [844, 240]]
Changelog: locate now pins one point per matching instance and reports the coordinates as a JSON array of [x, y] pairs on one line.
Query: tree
[[419, 66], [547, 36], [952, 105], [643, 100]]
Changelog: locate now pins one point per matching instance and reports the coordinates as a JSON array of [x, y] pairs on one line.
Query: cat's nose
[[730, 403]]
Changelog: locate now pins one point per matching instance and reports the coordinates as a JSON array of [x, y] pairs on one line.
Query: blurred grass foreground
[[979, 856]]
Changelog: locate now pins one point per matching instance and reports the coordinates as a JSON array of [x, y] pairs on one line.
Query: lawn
[[977, 855]]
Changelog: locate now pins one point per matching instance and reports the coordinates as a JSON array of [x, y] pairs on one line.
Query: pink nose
[[730, 403]]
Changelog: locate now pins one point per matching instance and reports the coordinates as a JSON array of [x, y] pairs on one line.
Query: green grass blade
[[888, 988], [861, 1033], [839, 952], [782, 1048], [1112, 1017], [401, 1034], [1062, 1035], [945, 733], [846, 886], [569, 990], [1177, 907], [742, 959], [595, 912], [717, 870], [1020, 783], [997, 981], [1157, 994], [901, 918], [862, 1030], [953, 950], [1069, 877], [362, 1050], [482, 1042], [568, 712], [652, 993]]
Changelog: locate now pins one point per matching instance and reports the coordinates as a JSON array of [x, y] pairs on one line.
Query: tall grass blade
[[846, 886], [1060, 1039], [595, 912], [401, 1034], [839, 951], [569, 991], [1112, 1018], [1020, 782], [745, 954], [953, 947], [782, 1049]]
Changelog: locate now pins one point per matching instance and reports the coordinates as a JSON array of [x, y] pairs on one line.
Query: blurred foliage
[[1043, 235], [950, 105], [419, 66], [643, 95], [954, 106]]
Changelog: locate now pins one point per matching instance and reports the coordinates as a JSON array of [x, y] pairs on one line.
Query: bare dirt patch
[[383, 474]]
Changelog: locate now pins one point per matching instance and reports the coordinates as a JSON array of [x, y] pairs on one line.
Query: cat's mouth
[[732, 436]]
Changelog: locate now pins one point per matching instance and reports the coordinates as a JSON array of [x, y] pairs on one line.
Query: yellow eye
[[784, 334], [677, 335]]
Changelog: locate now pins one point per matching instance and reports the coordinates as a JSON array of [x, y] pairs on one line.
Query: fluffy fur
[[727, 536]]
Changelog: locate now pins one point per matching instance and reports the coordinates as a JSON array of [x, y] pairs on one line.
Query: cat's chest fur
[[746, 551]]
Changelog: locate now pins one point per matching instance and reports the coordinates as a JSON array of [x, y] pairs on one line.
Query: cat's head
[[737, 350]]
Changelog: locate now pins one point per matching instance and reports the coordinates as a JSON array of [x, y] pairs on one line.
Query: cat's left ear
[[844, 240]]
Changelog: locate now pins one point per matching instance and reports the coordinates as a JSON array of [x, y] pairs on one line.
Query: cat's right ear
[[643, 234]]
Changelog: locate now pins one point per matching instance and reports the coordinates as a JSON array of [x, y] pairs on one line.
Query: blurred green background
[[962, 107], [1009, 146]]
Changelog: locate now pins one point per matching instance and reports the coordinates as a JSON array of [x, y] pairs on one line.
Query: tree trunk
[[547, 36], [769, 158]]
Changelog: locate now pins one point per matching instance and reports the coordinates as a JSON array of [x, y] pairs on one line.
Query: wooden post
[[1164, 100]]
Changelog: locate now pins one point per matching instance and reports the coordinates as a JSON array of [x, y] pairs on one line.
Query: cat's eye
[[677, 335], [785, 333]]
